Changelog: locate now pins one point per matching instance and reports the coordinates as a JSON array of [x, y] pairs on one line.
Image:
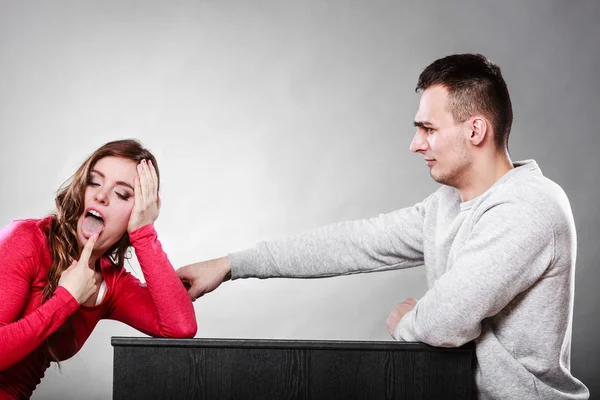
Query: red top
[[161, 307]]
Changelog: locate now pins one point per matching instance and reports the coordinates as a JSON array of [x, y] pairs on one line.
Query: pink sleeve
[[161, 307], [19, 262]]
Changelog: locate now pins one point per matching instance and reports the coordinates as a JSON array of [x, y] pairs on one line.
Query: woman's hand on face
[[146, 201], [78, 279]]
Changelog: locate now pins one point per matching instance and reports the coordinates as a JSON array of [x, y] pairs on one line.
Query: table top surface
[[121, 341]]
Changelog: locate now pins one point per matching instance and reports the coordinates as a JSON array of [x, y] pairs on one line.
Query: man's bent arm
[[509, 249]]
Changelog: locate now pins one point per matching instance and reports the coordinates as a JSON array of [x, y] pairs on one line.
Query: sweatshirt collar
[[524, 167]]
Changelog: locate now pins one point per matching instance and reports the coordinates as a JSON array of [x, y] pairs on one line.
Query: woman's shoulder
[[23, 244], [25, 232]]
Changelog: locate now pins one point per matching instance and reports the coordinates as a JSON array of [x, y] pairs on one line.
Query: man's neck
[[485, 172]]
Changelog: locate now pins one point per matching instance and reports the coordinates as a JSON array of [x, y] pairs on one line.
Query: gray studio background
[[269, 118]]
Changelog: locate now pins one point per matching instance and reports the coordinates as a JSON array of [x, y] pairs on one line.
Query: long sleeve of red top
[[19, 263], [161, 306]]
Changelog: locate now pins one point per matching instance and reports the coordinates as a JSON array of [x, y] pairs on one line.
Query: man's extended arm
[[389, 241]]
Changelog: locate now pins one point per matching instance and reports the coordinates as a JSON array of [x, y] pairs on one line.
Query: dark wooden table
[[149, 368]]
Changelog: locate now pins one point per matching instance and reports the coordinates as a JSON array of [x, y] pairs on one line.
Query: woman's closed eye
[[123, 196]]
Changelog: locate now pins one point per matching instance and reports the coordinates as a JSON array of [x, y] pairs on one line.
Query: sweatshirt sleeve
[[19, 263], [509, 248], [162, 306], [389, 241]]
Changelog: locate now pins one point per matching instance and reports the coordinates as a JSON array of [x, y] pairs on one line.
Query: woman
[[61, 274]]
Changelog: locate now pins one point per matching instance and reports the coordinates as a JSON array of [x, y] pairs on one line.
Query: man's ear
[[479, 128]]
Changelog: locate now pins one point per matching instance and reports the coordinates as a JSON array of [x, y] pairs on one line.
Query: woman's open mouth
[[93, 223]]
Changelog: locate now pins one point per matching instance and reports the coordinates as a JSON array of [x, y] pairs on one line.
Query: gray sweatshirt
[[500, 272]]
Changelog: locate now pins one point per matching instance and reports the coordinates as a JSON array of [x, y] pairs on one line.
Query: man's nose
[[418, 144]]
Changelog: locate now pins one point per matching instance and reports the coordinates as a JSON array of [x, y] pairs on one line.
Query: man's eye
[[429, 130]]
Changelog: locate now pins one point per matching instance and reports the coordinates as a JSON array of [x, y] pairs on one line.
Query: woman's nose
[[101, 197]]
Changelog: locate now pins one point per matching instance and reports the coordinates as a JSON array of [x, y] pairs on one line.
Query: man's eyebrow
[[422, 124], [120, 183]]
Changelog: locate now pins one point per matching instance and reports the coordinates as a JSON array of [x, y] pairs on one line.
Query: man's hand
[[205, 276], [397, 313]]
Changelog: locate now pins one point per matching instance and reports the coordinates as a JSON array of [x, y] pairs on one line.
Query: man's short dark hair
[[475, 86]]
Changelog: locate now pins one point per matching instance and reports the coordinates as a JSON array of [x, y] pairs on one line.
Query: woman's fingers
[[137, 193], [143, 185], [154, 176], [146, 183], [87, 250], [149, 180], [73, 264]]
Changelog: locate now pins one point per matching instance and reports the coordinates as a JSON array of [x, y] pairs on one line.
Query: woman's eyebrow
[[120, 183], [125, 184]]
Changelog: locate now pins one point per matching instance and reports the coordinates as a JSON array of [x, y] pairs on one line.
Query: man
[[497, 240]]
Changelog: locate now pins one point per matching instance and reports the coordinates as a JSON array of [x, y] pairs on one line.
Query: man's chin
[[436, 177], [442, 180]]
